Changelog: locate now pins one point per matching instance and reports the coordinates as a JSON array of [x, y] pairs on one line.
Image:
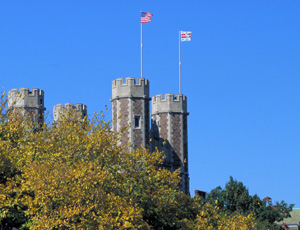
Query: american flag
[[186, 36], [146, 17]]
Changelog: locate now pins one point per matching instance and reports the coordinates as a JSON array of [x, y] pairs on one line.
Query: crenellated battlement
[[130, 88], [169, 103], [60, 108], [129, 81], [26, 92], [26, 98]]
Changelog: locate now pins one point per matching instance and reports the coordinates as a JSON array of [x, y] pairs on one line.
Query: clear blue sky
[[240, 73]]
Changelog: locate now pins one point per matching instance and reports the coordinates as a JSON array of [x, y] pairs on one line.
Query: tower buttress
[[130, 101], [169, 133]]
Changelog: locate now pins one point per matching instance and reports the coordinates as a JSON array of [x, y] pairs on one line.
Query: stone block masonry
[[29, 103], [59, 109], [169, 116], [168, 125], [131, 109]]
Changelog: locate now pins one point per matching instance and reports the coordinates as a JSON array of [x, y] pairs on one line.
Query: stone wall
[[29, 103], [60, 109], [131, 104], [169, 116]]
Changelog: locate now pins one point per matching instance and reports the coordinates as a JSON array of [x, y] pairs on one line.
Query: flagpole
[[179, 66], [141, 48]]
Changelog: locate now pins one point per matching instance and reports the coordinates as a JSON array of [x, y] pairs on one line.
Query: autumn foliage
[[75, 175]]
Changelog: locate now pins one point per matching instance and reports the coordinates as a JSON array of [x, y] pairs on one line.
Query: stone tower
[[59, 109], [29, 103], [169, 133], [131, 109]]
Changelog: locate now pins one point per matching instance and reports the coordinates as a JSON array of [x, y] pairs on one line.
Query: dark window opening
[[137, 121]]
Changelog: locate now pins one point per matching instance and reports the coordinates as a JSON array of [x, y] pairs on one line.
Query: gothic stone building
[[168, 130], [130, 108]]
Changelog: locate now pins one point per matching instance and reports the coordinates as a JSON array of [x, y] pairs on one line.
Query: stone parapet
[[26, 98], [169, 104], [130, 88], [59, 109]]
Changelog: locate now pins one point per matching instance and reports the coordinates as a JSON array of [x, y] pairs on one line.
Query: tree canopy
[[235, 198], [74, 174]]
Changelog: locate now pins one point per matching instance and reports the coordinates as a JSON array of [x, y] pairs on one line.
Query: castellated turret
[[58, 109], [29, 103], [169, 133], [131, 109]]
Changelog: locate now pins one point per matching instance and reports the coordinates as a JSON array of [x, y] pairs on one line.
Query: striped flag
[[186, 36], [146, 17]]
